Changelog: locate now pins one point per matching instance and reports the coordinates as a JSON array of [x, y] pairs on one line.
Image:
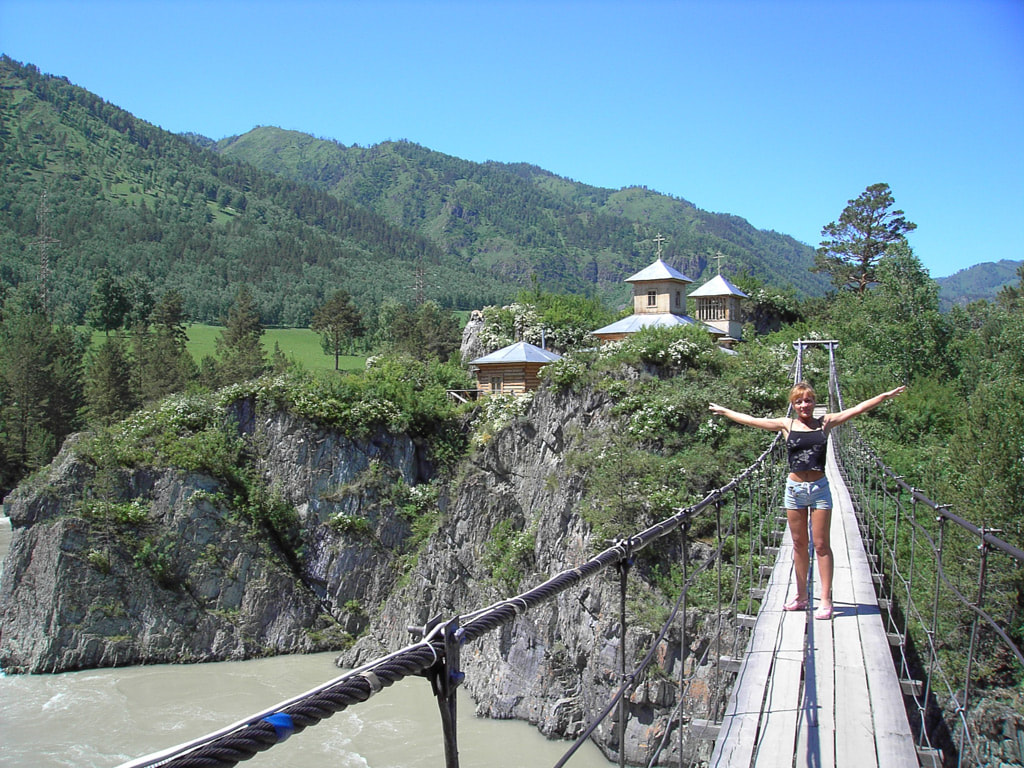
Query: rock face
[[195, 579], [556, 666], [471, 347], [997, 727]]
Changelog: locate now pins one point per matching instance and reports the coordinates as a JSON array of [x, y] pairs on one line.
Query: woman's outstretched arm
[[772, 425], [833, 419]]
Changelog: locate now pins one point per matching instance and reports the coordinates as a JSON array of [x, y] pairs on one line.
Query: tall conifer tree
[[240, 346], [109, 393], [867, 230]]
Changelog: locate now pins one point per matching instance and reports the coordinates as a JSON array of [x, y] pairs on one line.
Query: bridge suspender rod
[[445, 677], [623, 578], [683, 649]]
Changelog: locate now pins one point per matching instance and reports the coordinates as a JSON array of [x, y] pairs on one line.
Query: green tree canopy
[[40, 383], [866, 231], [898, 321], [240, 346], [338, 322], [139, 295], [423, 332], [108, 304], [163, 363], [109, 392], [168, 316]]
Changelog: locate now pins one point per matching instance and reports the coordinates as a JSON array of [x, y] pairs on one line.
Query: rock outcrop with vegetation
[[512, 521], [155, 565], [270, 519], [213, 528]]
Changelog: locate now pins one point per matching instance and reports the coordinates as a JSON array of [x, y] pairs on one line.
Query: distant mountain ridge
[[516, 220], [982, 281], [86, 186]]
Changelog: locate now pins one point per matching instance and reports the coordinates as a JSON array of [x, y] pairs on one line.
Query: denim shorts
[[816, 494]]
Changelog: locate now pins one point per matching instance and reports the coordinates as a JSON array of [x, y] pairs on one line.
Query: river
[[103, 718]]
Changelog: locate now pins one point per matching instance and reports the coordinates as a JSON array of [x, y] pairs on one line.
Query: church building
[[718, 305], [659, 301]]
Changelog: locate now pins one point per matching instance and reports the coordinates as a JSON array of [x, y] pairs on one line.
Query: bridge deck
[[819, 693]]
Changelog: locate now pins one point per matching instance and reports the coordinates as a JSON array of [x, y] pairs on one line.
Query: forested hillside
[[518, 220], [87, 186], [982, 281]]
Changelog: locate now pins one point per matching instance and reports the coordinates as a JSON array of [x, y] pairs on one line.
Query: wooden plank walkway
[[819, 694]]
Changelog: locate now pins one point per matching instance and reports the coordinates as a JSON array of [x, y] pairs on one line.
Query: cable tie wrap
[[283, 725], [376, 686]]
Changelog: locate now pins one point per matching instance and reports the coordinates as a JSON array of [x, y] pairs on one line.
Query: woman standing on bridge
[[807, 489]]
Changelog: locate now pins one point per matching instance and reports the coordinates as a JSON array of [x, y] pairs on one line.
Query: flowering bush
[[508, 324], [710, 430], [416, 500], [679, 347], [189, 432], [496, 412], [652, 417], [565, 373]]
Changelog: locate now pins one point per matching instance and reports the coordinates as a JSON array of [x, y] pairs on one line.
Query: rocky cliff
[[512, 521], [159, 565]]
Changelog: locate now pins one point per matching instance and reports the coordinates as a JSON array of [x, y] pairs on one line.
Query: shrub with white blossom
[[497, 412]]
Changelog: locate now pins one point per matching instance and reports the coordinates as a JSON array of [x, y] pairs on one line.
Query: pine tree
[[108, 304], [867, 230], [40, 391], [423, 332], [239, 347], [109, 393], [164, 365], [338, 322]]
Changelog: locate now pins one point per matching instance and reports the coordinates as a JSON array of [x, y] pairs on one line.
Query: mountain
[[982, 281], [86, 187], [516, 220]]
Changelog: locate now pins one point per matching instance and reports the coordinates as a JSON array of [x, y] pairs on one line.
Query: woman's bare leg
[[821, 523], [801, 558]]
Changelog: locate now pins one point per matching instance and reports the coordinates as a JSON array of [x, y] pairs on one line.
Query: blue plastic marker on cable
[[283, 725]]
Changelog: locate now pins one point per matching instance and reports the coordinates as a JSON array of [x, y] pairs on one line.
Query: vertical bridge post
[[445, 678]]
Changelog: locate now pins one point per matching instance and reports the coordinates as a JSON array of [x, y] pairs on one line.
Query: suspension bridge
[[810, 693], [889, 681]]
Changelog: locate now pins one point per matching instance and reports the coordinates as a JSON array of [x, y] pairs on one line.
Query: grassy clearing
[[299, 344]]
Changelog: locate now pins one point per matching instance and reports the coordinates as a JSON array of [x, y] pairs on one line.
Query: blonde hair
[[801, 389]]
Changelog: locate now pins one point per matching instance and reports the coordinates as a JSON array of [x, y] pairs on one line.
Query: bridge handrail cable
[[876, 488], [241, 741]]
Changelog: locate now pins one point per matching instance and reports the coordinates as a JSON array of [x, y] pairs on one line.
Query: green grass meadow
[[298, 344]]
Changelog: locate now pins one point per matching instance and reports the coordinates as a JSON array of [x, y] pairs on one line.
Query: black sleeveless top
[[807, 450]]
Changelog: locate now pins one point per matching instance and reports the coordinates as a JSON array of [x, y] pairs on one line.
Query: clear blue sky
[[779, 112]]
